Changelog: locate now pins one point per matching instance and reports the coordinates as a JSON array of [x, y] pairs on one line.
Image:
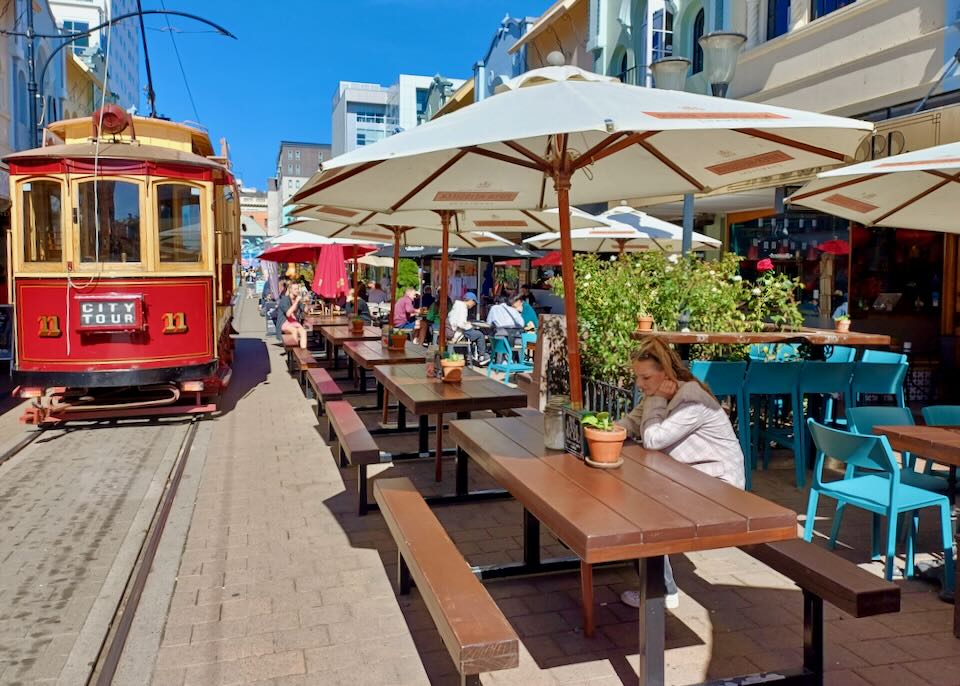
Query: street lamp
[[720, 52], [670, 73]]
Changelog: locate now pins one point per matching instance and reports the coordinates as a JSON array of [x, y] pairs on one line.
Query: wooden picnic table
[[320, 320], [424, 396], [942, 445], [367, 355], [649, 507], [336, 336]]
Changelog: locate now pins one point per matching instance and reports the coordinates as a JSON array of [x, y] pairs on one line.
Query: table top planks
[[938, 443], [652, 505], [813, 336], [340, 334], [369, 354], [420, 394], [320, 320]]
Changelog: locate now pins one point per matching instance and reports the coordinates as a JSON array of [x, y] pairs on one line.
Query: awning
[[462, 97], [557, 10]]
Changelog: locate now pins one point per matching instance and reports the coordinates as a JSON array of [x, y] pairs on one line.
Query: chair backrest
[[855, 449], [842, 353], [772, 378], [863, 419], [723, 378], [826, 377], [883, 357], [879, 377], [942, 415], [788, 352]]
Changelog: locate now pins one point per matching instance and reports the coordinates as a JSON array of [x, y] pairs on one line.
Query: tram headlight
[[29, 392], [191, 386]]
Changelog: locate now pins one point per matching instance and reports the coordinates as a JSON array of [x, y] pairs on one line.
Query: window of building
[[42, 227], [109, 213], [178, 217], [697, 52], [297, 168], [289, 154], [77, 27], [662, 35], [361, 138], [289, 168], [778, 18], [824, 7], [422, 94], [296, 155]]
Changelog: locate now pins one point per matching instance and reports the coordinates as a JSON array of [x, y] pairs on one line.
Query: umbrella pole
[[356, 285], [393, 302], [562, 185], [445, 222]]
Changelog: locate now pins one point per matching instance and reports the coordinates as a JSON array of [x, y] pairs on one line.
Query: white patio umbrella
[[595, 140], [915, 190]]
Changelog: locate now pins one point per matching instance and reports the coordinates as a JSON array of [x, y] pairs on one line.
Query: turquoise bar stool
[[940, 415], [502, 347], [878, 490], [526, 338], [880, 378], [827, 379], [842, 353], [725, 379], [777, 379]]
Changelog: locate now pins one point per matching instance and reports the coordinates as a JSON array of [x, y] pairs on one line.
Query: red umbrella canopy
[[551, 259], [292, 252], [330, 275], [836, 246]]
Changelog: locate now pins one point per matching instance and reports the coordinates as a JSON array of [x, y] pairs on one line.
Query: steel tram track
[[20, 446]]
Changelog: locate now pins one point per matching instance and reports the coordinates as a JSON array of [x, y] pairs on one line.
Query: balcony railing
[[599, 396]]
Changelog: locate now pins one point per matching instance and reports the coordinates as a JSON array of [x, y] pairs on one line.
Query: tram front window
[[116, 236], [178, 213], [42, 228]]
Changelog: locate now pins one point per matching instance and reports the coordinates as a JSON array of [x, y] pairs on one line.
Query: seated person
[[527, 294], [290, 311], [427, 300], [376, 294], [404, 312], [506, 319], [362, 307], [681, 417], [459, 327]]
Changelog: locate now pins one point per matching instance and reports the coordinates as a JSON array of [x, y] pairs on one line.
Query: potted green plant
[[604, 439], [644, 320], [356, 325], [842, 323], [398, 339], [452, 366]]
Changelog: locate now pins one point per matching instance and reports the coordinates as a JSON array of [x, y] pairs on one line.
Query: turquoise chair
[[863, 419], [502, 347], [879, 491], [777, 379], [883, 357], [726, 379], [842, 353], [940, 415], [827, 379], [525, 338], [880, 378]]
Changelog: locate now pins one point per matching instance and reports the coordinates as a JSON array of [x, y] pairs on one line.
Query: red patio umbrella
[[837, 246], [292, 252], [551, 259], [330, 275], [510, 263]]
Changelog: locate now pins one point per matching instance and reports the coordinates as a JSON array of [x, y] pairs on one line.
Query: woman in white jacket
[[681, 417]]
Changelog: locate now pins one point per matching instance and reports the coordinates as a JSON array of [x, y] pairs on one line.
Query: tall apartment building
[[123, 79], [296, 162], [364, 113]]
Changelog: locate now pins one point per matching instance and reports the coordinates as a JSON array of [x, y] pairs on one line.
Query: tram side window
[[42, 227], [178, 211], [116, 237]]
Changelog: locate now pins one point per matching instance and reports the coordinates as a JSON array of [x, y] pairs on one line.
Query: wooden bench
[[320, 385], [823, 576], [355, 445], [303, 360], [476, 633], [520, 412]]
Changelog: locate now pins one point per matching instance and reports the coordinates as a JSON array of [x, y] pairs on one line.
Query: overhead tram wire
[[183, 72]]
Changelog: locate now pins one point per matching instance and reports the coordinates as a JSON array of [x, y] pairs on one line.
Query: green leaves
[[598, 420]]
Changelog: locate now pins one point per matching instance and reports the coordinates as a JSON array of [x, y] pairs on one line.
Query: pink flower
[[765, 265]]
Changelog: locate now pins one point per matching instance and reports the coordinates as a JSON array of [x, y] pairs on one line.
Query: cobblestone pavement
[[73, 509], [281, 583]]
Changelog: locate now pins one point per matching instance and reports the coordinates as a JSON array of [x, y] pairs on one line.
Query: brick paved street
[[281, 583]]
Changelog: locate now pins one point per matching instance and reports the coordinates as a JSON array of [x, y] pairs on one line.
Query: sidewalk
[[281, 583]]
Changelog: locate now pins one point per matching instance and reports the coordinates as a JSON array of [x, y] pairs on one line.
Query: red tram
[[123, 267]]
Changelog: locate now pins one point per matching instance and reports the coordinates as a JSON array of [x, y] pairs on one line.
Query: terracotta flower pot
[[645, 323], [605, 446], [398, 341], [452, 370], [842, 325], [356, 326]]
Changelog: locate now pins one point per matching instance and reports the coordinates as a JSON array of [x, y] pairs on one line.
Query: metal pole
[[687, 244], [32, 75], [151, 94]]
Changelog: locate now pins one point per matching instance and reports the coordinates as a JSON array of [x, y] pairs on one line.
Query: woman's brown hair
[[665, 357]]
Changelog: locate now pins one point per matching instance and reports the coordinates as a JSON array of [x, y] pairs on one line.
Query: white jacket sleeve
[[660, 429], [457, 319]]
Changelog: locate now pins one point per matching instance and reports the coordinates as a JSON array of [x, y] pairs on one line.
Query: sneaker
[[632, 598], [483, 361]]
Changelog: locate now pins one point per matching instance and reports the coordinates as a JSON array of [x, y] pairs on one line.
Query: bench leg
[[813, 637], [652, 623], [586, 597], [403, 575], [470, 680], [342, 455], [307, 389], [362, 504]]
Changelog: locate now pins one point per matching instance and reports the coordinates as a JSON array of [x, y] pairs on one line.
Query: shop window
[[821, 8], [662, 35], [778, 18], [698, 28], [179, 223], [42, 222], [109, 214]]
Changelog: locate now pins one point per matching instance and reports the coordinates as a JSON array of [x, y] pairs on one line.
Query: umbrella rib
[[513, 145], [533, 218], [789, 142], [915, 198], [835, 187], [649, 147], [595, 155], [430, 179], [307, 192], [504, 158], [942, 175], [589, 154]]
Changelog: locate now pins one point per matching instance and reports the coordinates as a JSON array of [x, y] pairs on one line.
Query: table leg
[[424, 435], [586, 597], [956, 587], [952, 484], [401, 417], [363, 380], [652, 623], [531, 539], [462, 475], [382, 401], [438, 464]]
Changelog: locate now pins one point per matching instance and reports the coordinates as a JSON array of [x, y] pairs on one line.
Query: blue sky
[[277, 81]]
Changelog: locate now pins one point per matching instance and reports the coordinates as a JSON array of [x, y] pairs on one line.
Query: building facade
[[123, 80], [296, 162]]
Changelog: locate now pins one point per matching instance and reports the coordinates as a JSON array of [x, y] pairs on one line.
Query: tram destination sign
[[109, 312]]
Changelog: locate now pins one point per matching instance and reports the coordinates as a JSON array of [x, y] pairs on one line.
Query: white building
[[364, 113], [123, 79]]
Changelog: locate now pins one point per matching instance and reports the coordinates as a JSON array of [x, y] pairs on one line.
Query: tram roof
[[116, 151]]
